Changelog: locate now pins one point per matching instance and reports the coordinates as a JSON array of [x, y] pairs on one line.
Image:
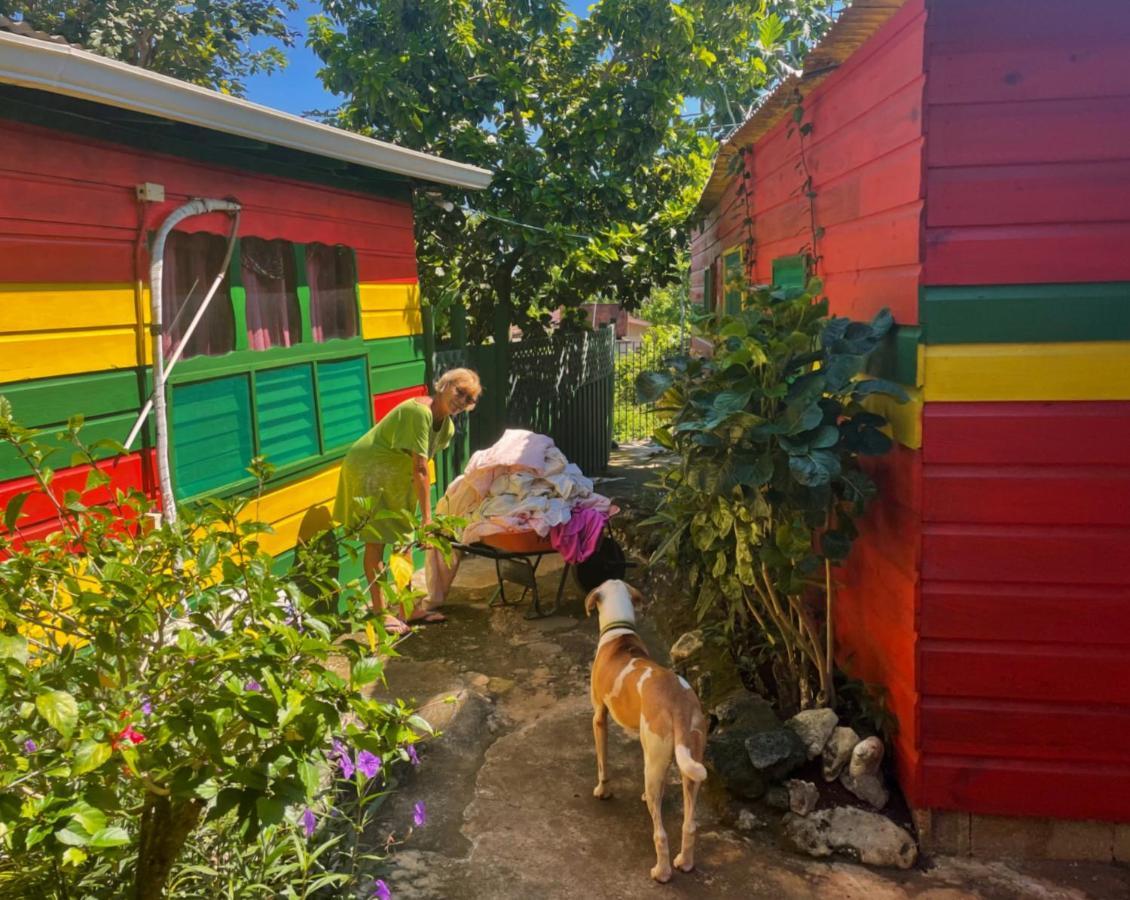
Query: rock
[[747, 821], [802, 796], [866, 757], [855, 833], [499, 685], [814, 727], [776, 753], [837, 752], [866, 787], [440, 710], [778, 797], [743, 710], [687, 646], [727, 760]]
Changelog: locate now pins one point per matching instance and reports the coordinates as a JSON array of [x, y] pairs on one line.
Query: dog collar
[[618, 623]]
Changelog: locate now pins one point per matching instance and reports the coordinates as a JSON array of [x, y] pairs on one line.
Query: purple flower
[[420, 814], [147, 708], [343, 759], [412, 757], [369, 764], [381, 891], [30, 746], [252, 685], [308, 821]]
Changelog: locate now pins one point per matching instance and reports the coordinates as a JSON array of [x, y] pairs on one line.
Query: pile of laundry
[[523, 484]]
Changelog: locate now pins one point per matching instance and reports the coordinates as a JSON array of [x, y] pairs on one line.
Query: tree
[[205, 43], [582, 120]]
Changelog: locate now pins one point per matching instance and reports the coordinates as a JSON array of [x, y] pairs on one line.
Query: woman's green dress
[[379, 465]]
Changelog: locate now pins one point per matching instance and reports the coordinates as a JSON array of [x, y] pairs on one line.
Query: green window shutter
[[284, 404], [211, 425], [733, 280], [708, 287], [343, 398], [790, 273]]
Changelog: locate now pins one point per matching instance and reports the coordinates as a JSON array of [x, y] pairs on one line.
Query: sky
[[297, 89]]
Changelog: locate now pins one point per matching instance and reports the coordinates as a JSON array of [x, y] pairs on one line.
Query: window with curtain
[[269, 273], [192, 262], [332, 278]]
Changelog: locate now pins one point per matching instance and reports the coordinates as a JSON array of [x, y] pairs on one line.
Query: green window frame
[[708, 289], [733, 281], [300, 406], [790, 273]]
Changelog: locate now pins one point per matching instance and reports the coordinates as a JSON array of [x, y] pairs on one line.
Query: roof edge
[[62, 69]]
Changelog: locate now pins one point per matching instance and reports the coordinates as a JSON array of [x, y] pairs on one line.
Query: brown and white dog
[[654, 702]]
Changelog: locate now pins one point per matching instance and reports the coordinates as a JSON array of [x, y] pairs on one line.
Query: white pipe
[[156, 274], [179, 349]]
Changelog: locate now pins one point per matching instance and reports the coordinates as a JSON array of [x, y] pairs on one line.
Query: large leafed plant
[[770, 430]]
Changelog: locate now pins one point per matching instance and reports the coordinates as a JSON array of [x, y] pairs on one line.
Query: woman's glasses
[[465, 398]]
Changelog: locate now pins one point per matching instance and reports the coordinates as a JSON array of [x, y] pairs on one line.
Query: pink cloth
[[577, 539]]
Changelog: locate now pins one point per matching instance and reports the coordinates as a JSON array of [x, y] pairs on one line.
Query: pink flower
[[343, 759], [130, 734], [253, 686], [420, 814], [30, 746], [381, 891], [309, 822], [412, 757]]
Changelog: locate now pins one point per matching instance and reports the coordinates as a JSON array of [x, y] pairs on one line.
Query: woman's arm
[[423, 486]]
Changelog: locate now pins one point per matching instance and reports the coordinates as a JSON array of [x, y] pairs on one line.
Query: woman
[[390, 465]]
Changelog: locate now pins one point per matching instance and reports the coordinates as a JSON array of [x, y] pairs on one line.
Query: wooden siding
[[1025, 609], [865, 157], [1028, 142]]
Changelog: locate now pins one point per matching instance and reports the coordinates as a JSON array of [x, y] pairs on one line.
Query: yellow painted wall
[[390, 310], [1091, 370]]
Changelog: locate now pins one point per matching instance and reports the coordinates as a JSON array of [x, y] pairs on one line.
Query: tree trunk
[[165, 826]]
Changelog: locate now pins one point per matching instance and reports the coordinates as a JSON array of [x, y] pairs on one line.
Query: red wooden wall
[[1024, 651]]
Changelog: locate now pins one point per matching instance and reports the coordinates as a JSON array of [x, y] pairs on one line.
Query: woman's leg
[[374, 564]]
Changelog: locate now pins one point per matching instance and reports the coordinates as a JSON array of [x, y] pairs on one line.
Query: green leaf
[[60, 710], [814, 469], [870, 386], [13, 646], [365, 671], [12, 511], [650, 386], [89, 755], [72, 837], [109, 837]]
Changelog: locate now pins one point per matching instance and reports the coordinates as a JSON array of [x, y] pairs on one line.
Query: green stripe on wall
[[113, 427], [393, 351], [1026, 313], [392, 378], [896, 359], [49, 401]]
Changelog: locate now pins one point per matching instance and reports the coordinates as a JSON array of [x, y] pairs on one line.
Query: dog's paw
[[662, 874], [602, 791], [682, 864]]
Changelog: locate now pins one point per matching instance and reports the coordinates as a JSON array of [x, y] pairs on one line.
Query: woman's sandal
[[393, 625], [427, 618]]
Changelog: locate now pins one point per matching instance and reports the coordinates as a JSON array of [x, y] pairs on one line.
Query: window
[[708, 287], [269, 277], [192, 262], [733, 281], [277, 366], [331, 275], [790, 273]]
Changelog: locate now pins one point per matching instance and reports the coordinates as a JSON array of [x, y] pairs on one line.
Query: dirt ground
[[508, 786]]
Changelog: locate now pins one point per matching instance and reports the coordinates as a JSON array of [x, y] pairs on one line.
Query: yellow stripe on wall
[[299, 510], [48, 330], [1092, 370], [390, 310], [904, 419]]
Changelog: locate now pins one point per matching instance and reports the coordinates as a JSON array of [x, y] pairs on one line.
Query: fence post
[[500, 330]]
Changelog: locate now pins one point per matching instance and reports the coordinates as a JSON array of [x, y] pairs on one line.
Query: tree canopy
[[584, 121], [205, 43]]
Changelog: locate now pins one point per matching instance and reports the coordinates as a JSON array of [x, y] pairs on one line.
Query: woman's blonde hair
[[467, 379]]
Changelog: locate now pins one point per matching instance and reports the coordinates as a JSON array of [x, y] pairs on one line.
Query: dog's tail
[[684, 757]]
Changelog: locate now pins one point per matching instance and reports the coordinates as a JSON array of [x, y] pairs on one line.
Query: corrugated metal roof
[[22, 28], [857, 24]]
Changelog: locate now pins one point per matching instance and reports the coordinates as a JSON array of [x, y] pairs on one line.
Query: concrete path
[[508, 787]]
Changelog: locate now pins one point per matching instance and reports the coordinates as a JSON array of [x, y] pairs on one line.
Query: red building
[[970, 170]]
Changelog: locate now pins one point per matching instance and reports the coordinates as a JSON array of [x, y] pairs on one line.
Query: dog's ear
[[592, 600], [637, 597]]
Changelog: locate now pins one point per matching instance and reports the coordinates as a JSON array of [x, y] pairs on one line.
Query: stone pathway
[[508, 787]]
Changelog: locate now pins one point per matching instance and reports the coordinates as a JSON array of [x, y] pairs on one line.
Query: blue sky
[[297, 89]]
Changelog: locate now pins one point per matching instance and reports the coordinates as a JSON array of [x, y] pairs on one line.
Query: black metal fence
[[632, 421]]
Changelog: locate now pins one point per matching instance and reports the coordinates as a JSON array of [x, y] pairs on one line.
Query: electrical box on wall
[[150, 192]]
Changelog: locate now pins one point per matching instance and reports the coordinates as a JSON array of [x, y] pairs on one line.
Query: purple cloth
[[577, 539]]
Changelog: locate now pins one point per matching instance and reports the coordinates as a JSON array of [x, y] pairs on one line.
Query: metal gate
[[633, 421]]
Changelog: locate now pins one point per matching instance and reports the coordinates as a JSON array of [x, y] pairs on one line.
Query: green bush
[[159, 678], [770, 430]]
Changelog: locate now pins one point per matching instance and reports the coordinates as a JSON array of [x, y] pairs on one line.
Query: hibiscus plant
[[157, 676]]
